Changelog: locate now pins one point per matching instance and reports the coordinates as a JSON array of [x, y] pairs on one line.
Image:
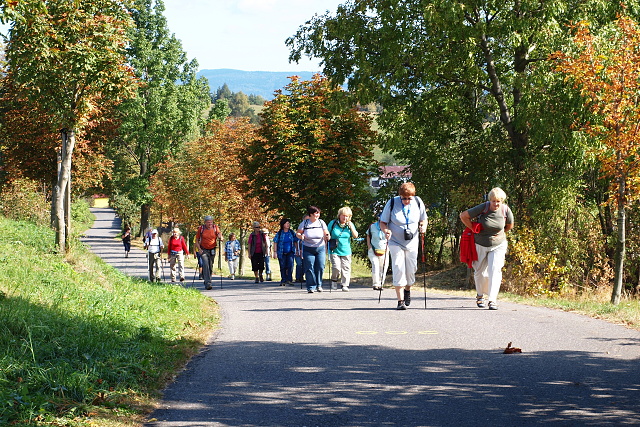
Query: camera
[[408, 235]]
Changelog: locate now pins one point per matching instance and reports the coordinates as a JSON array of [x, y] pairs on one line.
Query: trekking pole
[[162, 267], [384, 264], [424, 271]]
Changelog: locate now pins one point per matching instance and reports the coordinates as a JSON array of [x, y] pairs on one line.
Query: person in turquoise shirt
[[341, 231]]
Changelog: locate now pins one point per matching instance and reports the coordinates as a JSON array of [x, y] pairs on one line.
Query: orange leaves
[[606, 70]]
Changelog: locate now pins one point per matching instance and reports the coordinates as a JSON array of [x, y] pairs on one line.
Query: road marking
[[427, 332], [396, 332], [367, 332]]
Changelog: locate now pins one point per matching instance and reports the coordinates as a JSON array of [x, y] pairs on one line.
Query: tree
[[605, 69], [67, 57], [167, 109], [311, 150], [206, 178], [407, 55]]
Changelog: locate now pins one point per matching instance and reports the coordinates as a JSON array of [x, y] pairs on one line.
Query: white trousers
[[377, 276], [176, 259], [405, 265], [233, 266], [487, 270], [341, 269]]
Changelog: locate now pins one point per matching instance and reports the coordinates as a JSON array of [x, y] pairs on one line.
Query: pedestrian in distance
[[206, 239], [495, 219], [257, 251], [284, 248], [403, 219], [341, 231], [126, 241], [154, 247], [176, 251], [378, 253], [232, 254], [314, 235], [268, 254]]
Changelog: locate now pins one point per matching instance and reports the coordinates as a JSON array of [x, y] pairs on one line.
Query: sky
[[244, 35]]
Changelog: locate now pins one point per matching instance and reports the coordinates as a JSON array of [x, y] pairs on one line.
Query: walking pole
[[424, 271], [384, 264], [162, 267]]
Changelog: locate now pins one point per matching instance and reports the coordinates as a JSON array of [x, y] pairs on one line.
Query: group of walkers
[[392, 240]]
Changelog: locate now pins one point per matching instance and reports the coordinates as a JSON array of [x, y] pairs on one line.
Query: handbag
[[379, 252], [333, 244]]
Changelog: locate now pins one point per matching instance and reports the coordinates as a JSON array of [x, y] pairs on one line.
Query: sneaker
[[233, 277], [173, 280], [257, 280], [345, 289], [407, 298], [319, 289], [283, 284], [377, 288], [309, 291], [493, 305], [334, 286], [401, 305], [261, 279], [480, 301], [208, 286], [269, 277]]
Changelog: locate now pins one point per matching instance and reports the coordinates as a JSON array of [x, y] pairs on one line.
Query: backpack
[[393, 199], [486, 209]]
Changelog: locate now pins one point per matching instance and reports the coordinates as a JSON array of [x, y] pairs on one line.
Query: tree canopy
[[311, 150]]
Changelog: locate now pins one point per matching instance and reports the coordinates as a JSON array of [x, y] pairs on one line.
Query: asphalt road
[[287, 358]]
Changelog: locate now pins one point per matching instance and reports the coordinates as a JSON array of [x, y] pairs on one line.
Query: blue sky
[[243, 34]]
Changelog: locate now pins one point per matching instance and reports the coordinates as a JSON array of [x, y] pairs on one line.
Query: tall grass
[[80, 343]]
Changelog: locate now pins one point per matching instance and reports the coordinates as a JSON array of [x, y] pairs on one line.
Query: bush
[[24, 200]]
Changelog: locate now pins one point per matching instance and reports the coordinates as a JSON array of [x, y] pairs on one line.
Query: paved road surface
[[287, 358]]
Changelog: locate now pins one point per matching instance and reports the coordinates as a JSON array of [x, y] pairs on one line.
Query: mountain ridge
[[262, 83]]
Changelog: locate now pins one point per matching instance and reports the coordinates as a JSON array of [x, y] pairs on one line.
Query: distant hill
[[262, 83]]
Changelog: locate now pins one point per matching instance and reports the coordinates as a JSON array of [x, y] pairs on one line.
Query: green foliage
[[311, 151], [169, 105], [75, 335], [24, 200], [220, 110]]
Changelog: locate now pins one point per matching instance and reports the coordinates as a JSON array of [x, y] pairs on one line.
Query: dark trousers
[[207, 256]]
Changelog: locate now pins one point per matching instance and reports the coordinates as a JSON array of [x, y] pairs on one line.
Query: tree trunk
[[61, 188], [243, 234], [620, 246], [145, 213]]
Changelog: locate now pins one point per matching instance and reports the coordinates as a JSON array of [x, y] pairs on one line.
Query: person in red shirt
[[176, 251], [206, 239]]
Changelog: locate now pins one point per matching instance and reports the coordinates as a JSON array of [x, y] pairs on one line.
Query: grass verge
[[594, 304], [80, 343]]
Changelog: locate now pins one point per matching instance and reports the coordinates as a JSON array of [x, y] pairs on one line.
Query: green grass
[[80, 343]]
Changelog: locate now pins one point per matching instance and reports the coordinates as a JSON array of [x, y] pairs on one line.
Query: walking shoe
[[493, 305], [480, 301], [182, 279], [345, 289], [261, 278], [257, 280], [407, 298], [233, 277], [401, 305], [283, 284], [208, 286], [173, 280], [319, 289], [377, 288], [269, 277], [334, 285], [309, 291]]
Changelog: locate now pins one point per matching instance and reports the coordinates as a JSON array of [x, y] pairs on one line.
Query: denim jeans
[[314, 259], [286, 267]]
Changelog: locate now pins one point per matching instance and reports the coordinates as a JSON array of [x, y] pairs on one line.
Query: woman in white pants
[[378, 254], [496, 219], [403, 219]]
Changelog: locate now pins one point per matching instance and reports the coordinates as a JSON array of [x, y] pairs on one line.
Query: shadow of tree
[[273, 383]]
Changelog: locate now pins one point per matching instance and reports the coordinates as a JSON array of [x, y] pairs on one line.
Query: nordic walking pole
[[384, 264], [424, 271]]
